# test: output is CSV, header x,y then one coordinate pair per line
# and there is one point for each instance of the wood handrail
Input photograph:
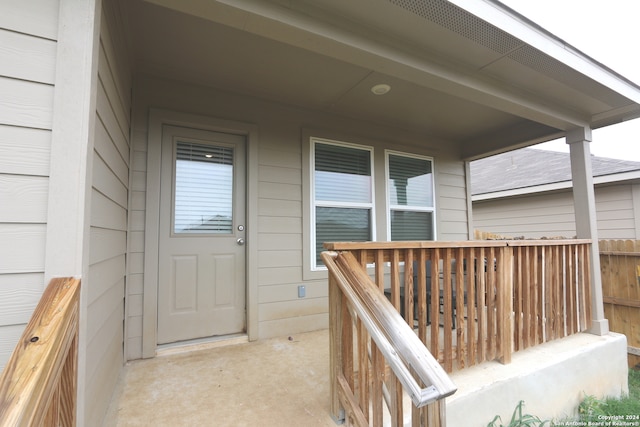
x,y
38,384
419,373
348,246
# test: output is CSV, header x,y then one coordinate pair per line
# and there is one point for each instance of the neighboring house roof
x,y
530,170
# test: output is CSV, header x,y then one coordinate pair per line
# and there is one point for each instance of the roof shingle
x,y
530,167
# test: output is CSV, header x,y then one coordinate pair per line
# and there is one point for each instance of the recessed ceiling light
x,y
208,156
380,89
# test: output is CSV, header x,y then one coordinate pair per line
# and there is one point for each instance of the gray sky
x,y
609,32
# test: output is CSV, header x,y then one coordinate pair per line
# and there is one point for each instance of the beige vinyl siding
x,y
108,221
615,212
278,208
451,203
534,216
552,214
35,17
28,32
135,262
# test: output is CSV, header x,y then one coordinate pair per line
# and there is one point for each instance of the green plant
x,y
590,408
634,384
518,419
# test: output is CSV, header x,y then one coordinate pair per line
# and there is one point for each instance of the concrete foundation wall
x,y
552,379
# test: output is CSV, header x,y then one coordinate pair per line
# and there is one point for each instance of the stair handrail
x,y
406,354
38,385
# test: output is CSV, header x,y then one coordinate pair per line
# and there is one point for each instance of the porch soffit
x,y
453,75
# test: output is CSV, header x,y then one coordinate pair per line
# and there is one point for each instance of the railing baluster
x,y
447,310
518,297
557,300
505,304
435,304
336,349
408,287
422,296
482,305
459,308
377,380
363,368
347,345
537,295
471,305
395,279
526,295
379,269
587,288
396,407
491,304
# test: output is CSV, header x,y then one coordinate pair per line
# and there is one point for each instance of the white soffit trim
x,y
563,185
526,30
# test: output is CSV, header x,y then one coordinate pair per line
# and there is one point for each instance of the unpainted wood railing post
x,y
505,304
335,347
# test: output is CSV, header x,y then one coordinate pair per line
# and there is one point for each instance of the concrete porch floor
x,y
285,382
275,382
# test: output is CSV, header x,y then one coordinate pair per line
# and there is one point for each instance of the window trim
x,y
389,207
310,258
381,221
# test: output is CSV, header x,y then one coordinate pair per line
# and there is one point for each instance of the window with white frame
x,y
343,205
411,197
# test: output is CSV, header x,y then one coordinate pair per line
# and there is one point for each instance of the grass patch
x,y
590,408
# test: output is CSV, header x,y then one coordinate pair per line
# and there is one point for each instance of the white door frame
x,y
158,118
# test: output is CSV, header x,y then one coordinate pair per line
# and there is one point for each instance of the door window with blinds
x,y
411,199
343,205
203,192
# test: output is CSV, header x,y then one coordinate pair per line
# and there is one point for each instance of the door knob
x,y
240,241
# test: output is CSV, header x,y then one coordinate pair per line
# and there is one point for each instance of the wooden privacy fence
x,y
38,384
475,301
375,356
620,267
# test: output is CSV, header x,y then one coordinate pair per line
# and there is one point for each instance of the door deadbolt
x,y
241,228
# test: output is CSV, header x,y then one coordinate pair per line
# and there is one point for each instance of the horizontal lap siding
x,y
108,222
28,32
552,214
615,212
452,199
280,243
532,217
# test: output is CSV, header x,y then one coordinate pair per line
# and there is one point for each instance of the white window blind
x,y
411,201
203,200
342,194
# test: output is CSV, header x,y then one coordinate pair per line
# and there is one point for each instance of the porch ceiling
x,y
452,75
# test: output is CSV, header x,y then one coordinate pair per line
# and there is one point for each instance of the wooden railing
x,y
38,384
375,356
487,298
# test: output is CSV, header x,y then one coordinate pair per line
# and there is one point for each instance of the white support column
x,y
74,113
585,212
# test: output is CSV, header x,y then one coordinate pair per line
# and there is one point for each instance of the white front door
x,y
201,265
